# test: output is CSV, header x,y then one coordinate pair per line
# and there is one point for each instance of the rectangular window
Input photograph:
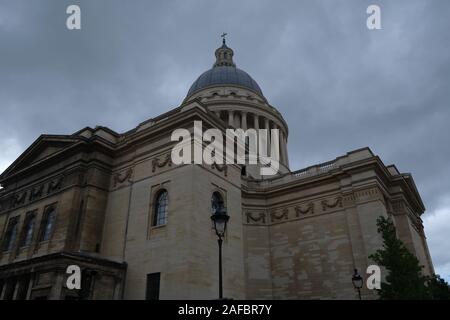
x,y
153,280
11,234
48,222
28,229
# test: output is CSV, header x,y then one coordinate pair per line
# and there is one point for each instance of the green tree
x,y
405,279
438,288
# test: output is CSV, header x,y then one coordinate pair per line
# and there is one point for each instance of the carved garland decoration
x,y
160,164
276,217
336,203
118,178
309,209
261,217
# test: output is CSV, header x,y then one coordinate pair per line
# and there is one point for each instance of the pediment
x,y
45,146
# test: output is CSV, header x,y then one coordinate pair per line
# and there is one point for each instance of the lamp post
x,y
358,282
220,219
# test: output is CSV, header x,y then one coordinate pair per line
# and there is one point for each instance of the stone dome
x,y
224,72
225,75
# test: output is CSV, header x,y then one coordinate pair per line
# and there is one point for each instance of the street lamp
x,y
220,219
358,282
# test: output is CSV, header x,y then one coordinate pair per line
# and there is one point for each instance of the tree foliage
x,y
405,279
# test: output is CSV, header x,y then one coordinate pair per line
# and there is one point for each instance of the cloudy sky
x,y
339,85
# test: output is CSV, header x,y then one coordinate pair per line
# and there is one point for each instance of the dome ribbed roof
x,y
225,75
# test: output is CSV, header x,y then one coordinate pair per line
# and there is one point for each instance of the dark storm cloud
x,y
339,85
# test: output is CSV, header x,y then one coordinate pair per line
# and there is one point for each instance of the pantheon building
x,y
138,225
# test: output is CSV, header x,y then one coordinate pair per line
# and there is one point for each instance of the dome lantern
x,y
224,55
224,73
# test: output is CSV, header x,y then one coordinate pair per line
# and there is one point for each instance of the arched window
x,y
28,229
11,234
216,202
48,222
161,206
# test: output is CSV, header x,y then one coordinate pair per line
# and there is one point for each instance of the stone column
x,y
267,126
256,127
283,154
280,146
237,123
244,120
230,117
286,155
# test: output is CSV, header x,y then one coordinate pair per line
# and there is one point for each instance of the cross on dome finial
x,y
223,38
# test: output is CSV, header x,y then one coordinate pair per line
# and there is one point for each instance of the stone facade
x,y
294,235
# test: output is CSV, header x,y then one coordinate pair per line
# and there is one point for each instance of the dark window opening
x,y
153,282
11,234
244,171
28,229
87,283
48,222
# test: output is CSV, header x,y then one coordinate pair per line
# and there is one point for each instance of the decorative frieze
x,y
295,211
35,193
368,194
55,185
19,199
